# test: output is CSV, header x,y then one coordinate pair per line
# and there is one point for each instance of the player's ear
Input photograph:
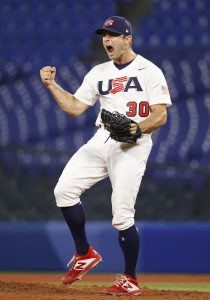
x,y
131,40
128,39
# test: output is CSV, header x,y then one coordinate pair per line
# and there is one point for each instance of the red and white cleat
x,y
124,285
81,265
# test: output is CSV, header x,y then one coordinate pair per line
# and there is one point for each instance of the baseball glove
x,y
119,127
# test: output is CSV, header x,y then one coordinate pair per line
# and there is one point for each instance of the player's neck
x,y
126,58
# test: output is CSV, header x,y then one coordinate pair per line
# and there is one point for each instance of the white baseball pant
x,y
123,163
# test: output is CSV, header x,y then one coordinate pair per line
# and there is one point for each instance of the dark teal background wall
x,y
47,246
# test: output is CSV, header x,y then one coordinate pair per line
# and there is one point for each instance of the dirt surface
x,y
42,286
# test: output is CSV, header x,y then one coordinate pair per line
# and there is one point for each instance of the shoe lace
x,y
72,260
120,280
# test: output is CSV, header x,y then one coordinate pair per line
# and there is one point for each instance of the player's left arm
x,y
157,118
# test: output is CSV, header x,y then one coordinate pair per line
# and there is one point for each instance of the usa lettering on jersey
x,y
120,84
117,84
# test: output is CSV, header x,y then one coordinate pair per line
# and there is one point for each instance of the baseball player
x,y
135,88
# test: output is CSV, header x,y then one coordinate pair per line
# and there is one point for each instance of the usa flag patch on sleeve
x,y
164,90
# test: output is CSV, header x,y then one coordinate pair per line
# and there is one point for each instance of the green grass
x,y
200,287
182,286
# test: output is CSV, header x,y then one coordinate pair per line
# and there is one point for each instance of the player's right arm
x,y
67,102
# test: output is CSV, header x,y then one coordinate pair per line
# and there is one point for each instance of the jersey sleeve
x,y
87,92
157,88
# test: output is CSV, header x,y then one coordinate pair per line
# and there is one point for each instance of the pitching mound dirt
x,y
52,291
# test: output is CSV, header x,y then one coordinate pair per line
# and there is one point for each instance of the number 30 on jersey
x,y
141,109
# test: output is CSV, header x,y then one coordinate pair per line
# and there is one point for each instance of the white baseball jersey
x,y
130,91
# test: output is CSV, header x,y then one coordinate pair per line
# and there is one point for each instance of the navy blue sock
x,y
75,219
129,243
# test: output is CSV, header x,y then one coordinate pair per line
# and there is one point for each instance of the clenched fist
x,y
48,75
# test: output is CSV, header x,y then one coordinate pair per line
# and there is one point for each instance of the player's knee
x,y
57,192
122,223
66,197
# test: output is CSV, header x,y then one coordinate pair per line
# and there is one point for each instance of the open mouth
x,y
110,49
